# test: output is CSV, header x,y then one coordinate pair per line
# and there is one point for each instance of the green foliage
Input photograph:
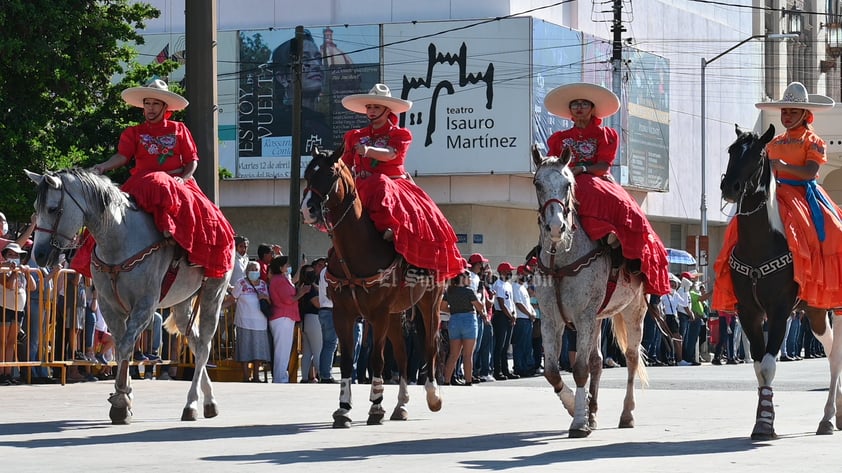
x,y
224,173
58,107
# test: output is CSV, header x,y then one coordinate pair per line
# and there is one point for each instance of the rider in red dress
x,y
400,209
162,183
604,207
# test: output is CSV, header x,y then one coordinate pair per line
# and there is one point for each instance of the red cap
x,y
689,274
477,258
523,270
505,267
532,262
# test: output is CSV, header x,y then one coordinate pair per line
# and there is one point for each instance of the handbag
x,y
265,306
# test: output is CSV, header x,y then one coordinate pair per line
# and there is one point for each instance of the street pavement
x,y
689,419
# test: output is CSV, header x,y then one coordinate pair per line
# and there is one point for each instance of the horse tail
x,y
622,338
170,326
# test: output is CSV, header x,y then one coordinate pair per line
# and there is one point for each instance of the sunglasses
x,y
580,104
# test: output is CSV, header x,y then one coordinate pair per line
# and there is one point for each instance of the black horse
x,y
763,275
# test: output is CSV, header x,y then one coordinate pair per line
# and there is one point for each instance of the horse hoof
x,y
763,433
592,423
120,415
825,428
578,433
341,422
626,423
399,414
189,414
211,411
375,419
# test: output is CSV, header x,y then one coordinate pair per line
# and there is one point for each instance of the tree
x,y
58,105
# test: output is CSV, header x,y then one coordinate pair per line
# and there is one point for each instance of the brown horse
x,y
763,275
368,279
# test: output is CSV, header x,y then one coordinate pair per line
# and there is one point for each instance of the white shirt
x,y
521,295
503,290
248,314
324,300
240,263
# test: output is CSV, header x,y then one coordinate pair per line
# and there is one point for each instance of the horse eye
x,y
52,209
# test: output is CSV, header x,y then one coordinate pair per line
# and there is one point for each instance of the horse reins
x,y
54,231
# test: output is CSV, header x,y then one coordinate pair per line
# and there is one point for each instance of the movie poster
x,y
335,62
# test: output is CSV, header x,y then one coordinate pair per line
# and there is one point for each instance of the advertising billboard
x,y
469,83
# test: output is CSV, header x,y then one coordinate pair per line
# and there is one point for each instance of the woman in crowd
x,y
606,211
17,281
462,326
311,328
284,296
252,327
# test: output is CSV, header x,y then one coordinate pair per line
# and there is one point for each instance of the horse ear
x,y
315,151
566,154
36,178
738,130
537,157
53,181
770,133
337,153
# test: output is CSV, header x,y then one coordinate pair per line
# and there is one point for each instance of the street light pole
x,y
703,209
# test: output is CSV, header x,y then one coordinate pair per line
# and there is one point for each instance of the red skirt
x,y
605,207
817,264
195,222
423,236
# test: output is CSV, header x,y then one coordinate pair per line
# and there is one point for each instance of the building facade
x,y
488,196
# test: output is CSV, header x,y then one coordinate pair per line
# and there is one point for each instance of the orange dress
x,y
817,262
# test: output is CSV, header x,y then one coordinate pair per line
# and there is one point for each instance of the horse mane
x,y
767,179
102,194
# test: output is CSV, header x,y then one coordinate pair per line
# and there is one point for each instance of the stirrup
x,y
389,235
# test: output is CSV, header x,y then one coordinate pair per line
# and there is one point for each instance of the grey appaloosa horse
x,y
571,289
131,260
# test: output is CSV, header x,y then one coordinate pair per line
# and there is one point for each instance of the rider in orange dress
x,y
162,183
605,209
401,210
812,224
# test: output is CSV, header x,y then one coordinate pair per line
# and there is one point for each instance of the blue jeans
x,y
792,348
485,344
329,342
691,341
155,324
522,346
502,339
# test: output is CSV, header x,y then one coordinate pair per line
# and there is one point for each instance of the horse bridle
x,y
54,231
325,197
753,179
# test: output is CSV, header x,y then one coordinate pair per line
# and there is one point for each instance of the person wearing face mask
x,y
811,220
284,296
17,281
252,327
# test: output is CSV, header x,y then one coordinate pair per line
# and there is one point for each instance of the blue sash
x,y
814,197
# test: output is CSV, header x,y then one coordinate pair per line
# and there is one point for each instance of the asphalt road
x,y
688,419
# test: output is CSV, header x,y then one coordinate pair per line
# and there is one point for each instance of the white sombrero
x,y
378,95
158,90
558,100
796,96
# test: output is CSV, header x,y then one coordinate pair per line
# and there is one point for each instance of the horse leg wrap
x,y
376,396
765,407
121,399
345,393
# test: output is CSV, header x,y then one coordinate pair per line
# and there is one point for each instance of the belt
x,y
363,174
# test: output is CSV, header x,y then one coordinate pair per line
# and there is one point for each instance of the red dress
x,y
196,223
605,207
423,236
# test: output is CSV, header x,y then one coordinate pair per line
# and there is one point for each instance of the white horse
x,y
571,289
129,264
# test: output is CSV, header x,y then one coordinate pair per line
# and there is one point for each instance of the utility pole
x,y
202,114
617,80
295,163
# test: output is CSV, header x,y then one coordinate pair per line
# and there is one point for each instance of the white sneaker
x,y
684,363
488,378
